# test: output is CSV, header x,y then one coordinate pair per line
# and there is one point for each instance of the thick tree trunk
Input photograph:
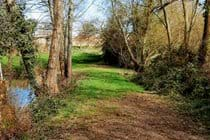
x,y
206,34
62,40
52,71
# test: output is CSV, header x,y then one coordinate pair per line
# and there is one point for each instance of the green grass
x,y
99,83
15,61
41,60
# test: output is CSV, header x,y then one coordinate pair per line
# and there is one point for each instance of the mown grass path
x,y
95,82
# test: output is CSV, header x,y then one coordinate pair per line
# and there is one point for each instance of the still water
x,y
20,93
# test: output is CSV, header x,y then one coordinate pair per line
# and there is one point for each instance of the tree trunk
x,y
167,26
62,56
186,26
206,34
62,49
50,7
29,67
52,71
68,64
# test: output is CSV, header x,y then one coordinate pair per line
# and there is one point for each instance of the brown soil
x,y
135,117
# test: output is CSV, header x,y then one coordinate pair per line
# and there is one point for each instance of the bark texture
x,y
52,71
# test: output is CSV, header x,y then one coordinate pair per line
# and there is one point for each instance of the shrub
x,y
178,75
44,107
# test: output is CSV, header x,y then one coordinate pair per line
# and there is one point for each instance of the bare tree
x,y
133,58
140,27
188,22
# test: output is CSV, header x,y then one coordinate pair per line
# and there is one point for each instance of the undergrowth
x,y
184,79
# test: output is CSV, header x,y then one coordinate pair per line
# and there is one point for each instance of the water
x,y
21,94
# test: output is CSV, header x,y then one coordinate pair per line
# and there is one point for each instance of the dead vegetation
x,y
137,116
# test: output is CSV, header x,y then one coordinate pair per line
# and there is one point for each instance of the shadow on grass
x,y
86,58
78,58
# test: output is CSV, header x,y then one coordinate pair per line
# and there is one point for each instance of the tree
x,y
140,27
52,70
166,25
206,35
17,33
188,22
69,45
88,29
138,14
66,36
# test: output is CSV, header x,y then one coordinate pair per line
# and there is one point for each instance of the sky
x,y
89,10
92,10
95,11
91,7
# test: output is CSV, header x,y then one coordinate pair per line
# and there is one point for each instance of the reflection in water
x,y
20,95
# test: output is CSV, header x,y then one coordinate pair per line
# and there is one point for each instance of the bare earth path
x,y
135,117
139,117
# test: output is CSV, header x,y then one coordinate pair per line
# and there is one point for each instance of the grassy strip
x,y
99,83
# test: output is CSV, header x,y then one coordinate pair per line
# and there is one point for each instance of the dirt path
x,y
135,117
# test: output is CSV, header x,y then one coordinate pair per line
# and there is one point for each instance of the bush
x,y
44,107
176,75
